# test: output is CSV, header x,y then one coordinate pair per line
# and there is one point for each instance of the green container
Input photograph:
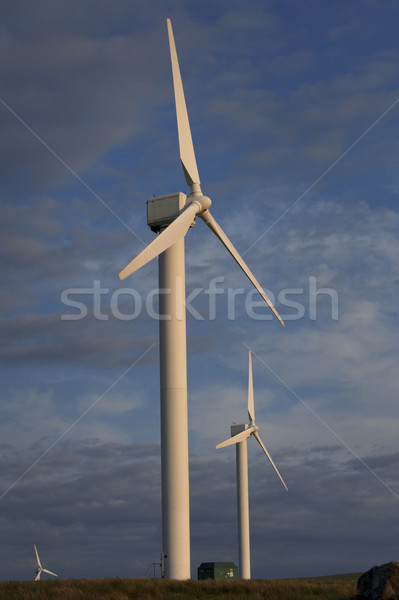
x,y
218,570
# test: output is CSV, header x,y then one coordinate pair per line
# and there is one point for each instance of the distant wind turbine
x,y
171,216
240,434
39,569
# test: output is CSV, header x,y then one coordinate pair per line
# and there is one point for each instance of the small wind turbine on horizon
x,y
240,435
39,569
170,217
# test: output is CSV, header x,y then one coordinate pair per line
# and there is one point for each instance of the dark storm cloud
x,y
96,489
85,490
43,338
72,87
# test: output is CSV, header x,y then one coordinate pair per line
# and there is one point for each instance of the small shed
x,y
218,570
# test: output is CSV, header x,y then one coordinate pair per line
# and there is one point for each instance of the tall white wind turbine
x,y
240,435
171,217
39,569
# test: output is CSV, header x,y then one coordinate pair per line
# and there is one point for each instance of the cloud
x,y
85,489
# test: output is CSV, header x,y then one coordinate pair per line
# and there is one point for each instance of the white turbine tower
x,y
171,217
39,568
240,434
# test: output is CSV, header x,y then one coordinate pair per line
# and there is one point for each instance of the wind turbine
x,y
171,216
39,569
240,434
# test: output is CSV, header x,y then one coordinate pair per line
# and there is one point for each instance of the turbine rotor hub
x,y
202,201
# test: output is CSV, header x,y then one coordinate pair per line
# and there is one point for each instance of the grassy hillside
x,y
341,577
329,588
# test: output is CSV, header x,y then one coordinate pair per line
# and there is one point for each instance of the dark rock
x,y
380,583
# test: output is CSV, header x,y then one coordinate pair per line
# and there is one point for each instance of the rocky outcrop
x,y
380,583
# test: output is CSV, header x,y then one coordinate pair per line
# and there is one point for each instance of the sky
x,y
294,112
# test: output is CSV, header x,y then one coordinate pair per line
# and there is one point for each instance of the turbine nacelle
x,y
163,210
249,428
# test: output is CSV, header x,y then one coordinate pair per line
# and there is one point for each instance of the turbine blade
x,y
256,436
37,557
243,435
187,155
251,407
174,232
217,230
37,578
50,572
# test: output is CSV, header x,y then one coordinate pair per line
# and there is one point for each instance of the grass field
x,y
318,588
